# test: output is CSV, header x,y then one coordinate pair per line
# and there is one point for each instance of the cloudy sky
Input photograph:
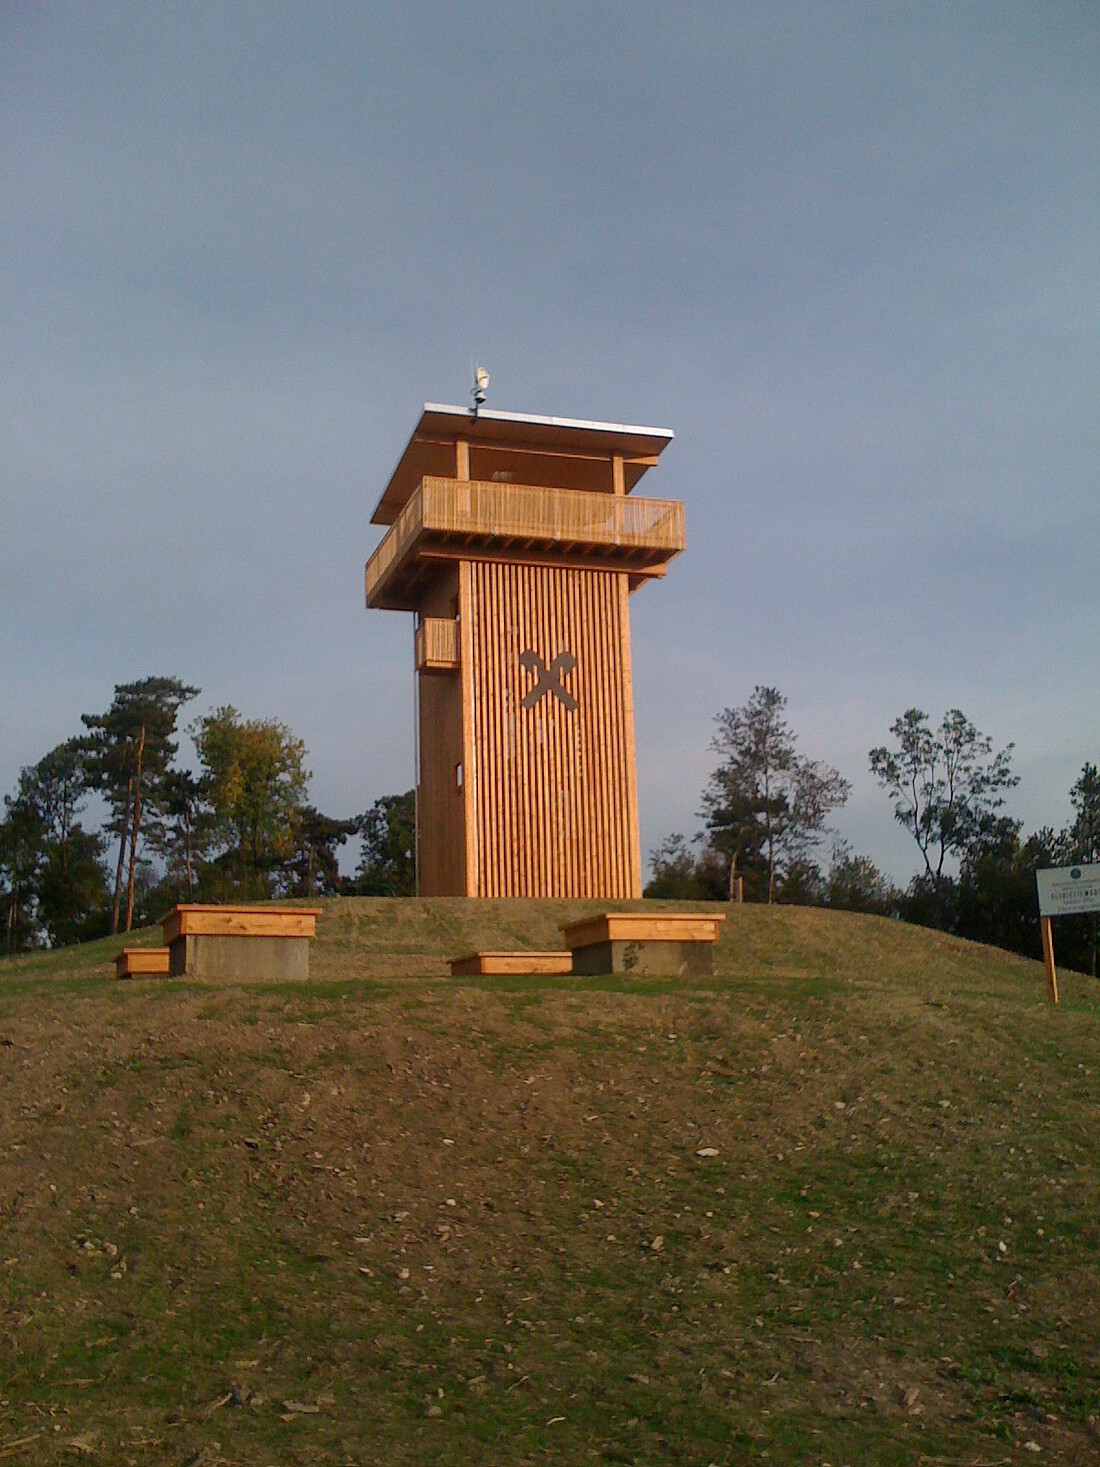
x,y
849,252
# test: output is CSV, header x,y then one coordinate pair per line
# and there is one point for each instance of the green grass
x,y
467,1221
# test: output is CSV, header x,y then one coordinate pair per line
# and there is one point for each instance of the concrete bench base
x,y
142,962
474,964
672,945
275,958
234,942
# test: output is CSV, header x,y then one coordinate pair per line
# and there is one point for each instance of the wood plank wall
x,y
441,843
551,790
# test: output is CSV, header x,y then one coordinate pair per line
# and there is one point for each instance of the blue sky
x,y
849,252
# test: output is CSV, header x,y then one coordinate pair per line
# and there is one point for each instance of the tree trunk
x,y
120,868
188,867
135,830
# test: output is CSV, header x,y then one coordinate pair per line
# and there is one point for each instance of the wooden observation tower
x,y
516,541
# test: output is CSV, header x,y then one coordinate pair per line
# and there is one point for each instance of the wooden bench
x,y
523,964
665,945
134,962
239,941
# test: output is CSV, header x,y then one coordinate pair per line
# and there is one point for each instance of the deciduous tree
x,y
387,866
52,865
946,785
255,782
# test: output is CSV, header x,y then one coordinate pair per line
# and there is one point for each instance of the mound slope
x,y
837,1204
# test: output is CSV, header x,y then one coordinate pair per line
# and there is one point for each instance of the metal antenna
x,y
481,383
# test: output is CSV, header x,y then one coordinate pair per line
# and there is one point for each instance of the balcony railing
x,y
512,517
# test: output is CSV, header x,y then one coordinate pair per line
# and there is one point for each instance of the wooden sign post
x,y
1048,958
1064,891
516,542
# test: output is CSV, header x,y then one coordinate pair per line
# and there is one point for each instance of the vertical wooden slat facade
x,y
527,783
551,786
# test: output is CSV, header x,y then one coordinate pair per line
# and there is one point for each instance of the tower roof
x,y
520,447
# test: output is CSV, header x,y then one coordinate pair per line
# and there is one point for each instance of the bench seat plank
x,y
520,964
132,961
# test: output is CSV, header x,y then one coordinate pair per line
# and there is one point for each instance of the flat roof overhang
x,y
585,447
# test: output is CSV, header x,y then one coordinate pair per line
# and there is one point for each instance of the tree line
x,y
239,828
765,811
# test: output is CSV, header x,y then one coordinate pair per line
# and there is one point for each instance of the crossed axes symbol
x,y
549,678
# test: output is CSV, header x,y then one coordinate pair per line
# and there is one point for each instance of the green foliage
x,y
241,830
674,870
186,833
765,804
388,863
313,868
802,884
1082,843
947,788
946,785
1084,834
21,855
993,899
854,883
682,876
73,901
765,809
130,750
57,788
53,881
255,782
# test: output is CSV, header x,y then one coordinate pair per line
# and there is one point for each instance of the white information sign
x,y
1068,889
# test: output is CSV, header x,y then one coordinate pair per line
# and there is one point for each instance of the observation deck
x,y
466,519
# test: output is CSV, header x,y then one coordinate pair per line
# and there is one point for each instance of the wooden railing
x,y
528,513
437,645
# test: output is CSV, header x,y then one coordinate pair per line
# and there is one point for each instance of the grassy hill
x,y
839,1204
